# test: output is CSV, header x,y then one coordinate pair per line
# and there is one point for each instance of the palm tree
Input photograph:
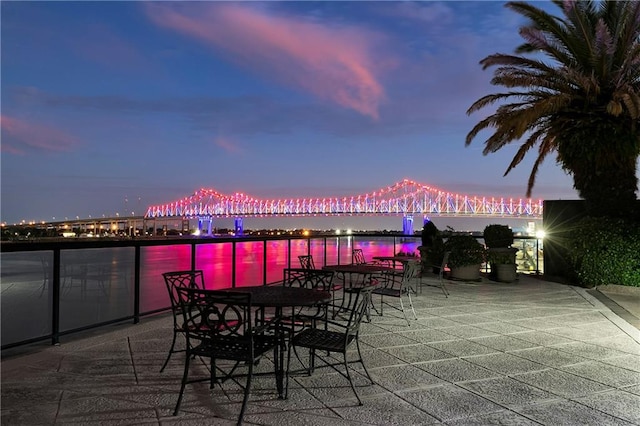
x,y
583,102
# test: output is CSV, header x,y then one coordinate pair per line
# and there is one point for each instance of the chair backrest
x,y
306,261
358,308
411,269
358,257
308,278
181,279
215,316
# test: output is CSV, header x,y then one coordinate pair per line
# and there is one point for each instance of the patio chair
x,y
360,259
218,326
306,261
329,336
442,268
396,285
174,280
312,278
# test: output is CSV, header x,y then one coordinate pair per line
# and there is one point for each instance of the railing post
x,y
136,285
324,260
55,299
289,252
233,264
264,262
537,256
193,256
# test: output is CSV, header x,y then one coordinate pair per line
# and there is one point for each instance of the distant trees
x,y
577,96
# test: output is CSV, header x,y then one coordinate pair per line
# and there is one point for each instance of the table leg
x,y
279,356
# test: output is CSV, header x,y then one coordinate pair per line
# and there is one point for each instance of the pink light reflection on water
x,y
216,261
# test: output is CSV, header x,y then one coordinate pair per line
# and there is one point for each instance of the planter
x,y
466,273
506,272
502,256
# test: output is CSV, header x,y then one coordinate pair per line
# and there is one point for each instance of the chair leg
x,y
346,366
444,289
411,304
362,361
173,343
403,311
247,391
185,375
286,377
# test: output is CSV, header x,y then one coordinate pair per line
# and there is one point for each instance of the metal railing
x,y
54,288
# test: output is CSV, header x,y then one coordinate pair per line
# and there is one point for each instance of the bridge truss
x,y
402,198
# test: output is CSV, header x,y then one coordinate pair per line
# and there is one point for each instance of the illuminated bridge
x,y
405,198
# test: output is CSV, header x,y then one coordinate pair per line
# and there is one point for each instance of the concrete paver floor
x,y
527,353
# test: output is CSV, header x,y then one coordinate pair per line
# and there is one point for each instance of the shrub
x,y
429,235
465,250
497,236
605,251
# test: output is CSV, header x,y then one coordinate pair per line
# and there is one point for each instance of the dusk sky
x,y
114,106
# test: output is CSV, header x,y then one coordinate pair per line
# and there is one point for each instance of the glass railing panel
x,y
529,258
317,251
277,259
96,285
154,261
216,262
249,263
332,250
299,247
26,295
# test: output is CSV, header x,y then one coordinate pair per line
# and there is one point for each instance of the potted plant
x,y
500,255
466,257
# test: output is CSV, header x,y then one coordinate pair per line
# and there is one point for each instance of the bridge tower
x,y
202,220
407,225
238,226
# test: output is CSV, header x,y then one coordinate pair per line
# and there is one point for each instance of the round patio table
x,y
278,297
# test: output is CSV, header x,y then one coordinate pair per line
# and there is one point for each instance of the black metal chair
x,y
329,336
359,258
218,326
306,261
174,280
397,285
441,270
317,279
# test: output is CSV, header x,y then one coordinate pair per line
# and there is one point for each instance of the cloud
x,y
20,136
334,63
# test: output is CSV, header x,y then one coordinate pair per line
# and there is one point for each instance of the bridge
x,y
406,198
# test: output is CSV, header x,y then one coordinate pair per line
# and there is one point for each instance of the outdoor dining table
x,y
365,270
279,297
393,260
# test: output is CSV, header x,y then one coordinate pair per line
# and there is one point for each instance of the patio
x,y
532,352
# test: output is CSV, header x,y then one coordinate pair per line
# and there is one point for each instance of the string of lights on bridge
x,y
406,197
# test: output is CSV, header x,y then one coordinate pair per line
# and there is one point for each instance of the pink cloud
x,y
333,63
19,136
228,145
